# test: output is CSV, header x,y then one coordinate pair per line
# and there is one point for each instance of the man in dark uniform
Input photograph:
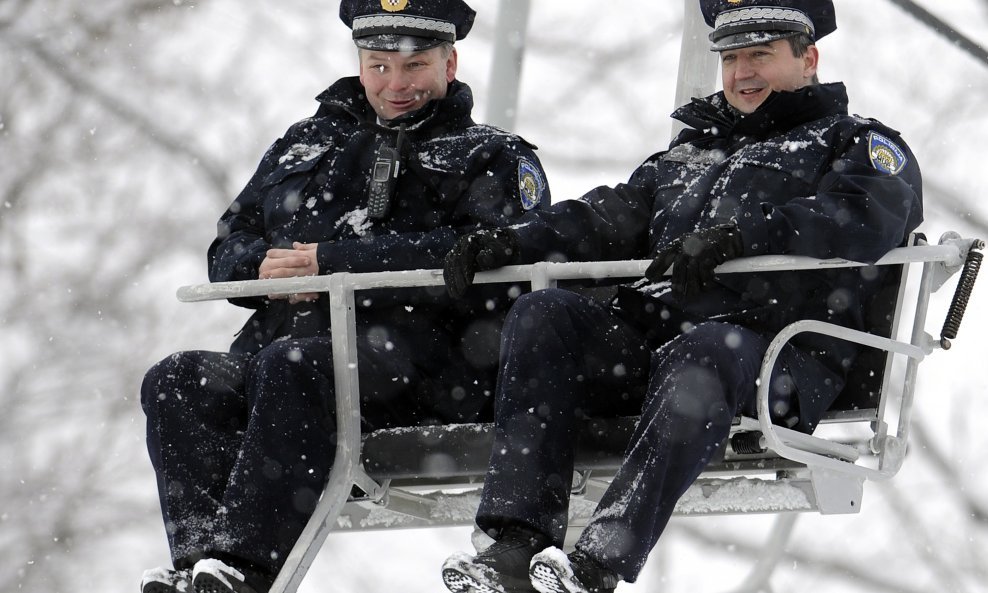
x,y
385,176
773,164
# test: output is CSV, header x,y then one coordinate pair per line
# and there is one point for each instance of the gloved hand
x,y
476,252
693,258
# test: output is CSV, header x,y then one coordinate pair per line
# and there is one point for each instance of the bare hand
x,y
291,263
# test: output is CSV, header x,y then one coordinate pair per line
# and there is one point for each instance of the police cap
x,y
406,25
742,23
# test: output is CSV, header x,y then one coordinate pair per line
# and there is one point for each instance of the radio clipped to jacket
x,y
384,178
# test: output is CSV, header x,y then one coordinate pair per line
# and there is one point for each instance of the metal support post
x,y
509,53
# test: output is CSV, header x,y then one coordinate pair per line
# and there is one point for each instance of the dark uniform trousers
x,y
564,357
242,444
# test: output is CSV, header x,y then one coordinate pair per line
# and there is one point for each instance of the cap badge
x,y
394,5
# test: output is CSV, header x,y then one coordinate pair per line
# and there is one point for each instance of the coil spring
x,y
747,443
965,285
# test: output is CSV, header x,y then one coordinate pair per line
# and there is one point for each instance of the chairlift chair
x,y
427,476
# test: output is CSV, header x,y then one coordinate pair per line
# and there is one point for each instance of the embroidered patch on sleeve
x,y
531,186
394,5
885,155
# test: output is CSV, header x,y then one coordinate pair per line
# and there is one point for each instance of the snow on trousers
x,y
563,357
242,444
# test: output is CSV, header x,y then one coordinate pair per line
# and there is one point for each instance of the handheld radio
x,y
384,178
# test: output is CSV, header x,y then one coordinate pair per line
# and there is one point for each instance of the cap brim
x,y
749,39
401,43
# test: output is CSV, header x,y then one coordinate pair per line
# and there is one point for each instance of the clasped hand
x,y
291,263
693,258
476,252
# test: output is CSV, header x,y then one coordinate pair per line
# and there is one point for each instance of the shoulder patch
x,y
531,185
885,155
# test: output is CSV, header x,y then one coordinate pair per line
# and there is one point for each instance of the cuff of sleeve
x,y
323,259
248,267
336,257
754,234
525,254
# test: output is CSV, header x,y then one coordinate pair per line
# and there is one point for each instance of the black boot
x,y
166,580
501,568
553,571
217,576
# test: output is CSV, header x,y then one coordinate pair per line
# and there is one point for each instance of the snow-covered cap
x,y
406,25
743,23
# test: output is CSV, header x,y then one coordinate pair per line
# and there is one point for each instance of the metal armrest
x,y
816,451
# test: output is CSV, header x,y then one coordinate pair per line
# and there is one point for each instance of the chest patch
x,y
531,185
885,155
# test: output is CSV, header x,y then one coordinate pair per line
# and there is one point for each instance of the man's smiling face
x,y
750,74
399,82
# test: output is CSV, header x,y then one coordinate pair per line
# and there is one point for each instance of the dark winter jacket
x,y
799,176
312,186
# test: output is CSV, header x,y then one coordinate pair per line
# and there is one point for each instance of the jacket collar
x,y
347,96
713,118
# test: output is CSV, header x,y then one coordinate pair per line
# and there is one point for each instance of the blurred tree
x,y
127,126
85,229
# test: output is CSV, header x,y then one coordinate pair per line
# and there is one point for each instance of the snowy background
x,y
127,126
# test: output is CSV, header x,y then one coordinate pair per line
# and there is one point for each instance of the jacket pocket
x,y
299,159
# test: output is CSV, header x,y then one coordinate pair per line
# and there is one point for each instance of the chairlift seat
x,y
464,450
431,475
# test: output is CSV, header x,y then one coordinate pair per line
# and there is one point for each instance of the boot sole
x,y
162,588
458,582
463,576
207,583
546,578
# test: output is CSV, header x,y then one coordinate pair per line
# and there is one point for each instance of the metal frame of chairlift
x,y
804,472
794,471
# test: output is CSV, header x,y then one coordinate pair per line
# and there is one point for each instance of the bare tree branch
x,y
925,545
954,482
944,29
11,11
952,204
826,568
758,580
213,173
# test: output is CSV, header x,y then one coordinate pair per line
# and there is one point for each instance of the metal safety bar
x,y
939,262
949,254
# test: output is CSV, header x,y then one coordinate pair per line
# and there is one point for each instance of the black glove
x,y
476,252
693,258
